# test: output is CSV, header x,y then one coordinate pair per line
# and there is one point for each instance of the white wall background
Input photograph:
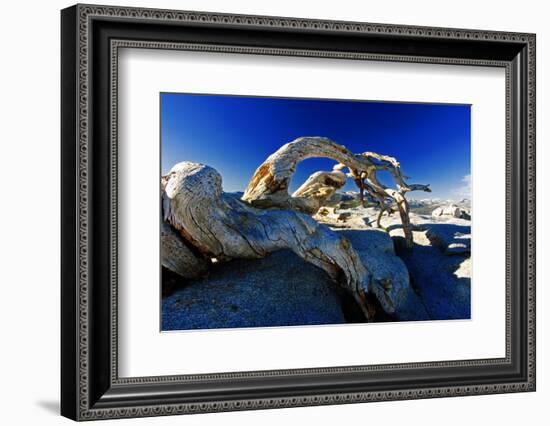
x,y
29,211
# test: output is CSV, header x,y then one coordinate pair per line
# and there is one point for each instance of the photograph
x,y
279,211
265,208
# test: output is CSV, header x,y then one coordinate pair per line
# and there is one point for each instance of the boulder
x,y
437,212
278,290
465,214
451,211
447,211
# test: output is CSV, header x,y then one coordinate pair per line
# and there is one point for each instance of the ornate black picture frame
x,y
90,38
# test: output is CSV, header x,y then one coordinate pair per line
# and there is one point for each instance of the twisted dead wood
x,y
268,187
177,256
223,227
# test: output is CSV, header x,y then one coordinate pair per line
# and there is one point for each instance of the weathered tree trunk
x,y
176,256
223,227
384,162
268,188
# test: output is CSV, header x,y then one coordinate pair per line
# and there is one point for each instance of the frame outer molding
x,y
76,402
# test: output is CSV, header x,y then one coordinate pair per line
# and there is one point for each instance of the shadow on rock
x,y
278,290
449,238
441,281
376,249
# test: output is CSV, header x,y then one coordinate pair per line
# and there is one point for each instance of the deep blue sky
x,y
236,134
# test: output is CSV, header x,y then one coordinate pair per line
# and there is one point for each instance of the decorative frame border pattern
x,y
85,409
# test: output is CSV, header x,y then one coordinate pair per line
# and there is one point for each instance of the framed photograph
x,y
263,212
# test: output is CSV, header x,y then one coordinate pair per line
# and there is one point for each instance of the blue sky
x,y
236,134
